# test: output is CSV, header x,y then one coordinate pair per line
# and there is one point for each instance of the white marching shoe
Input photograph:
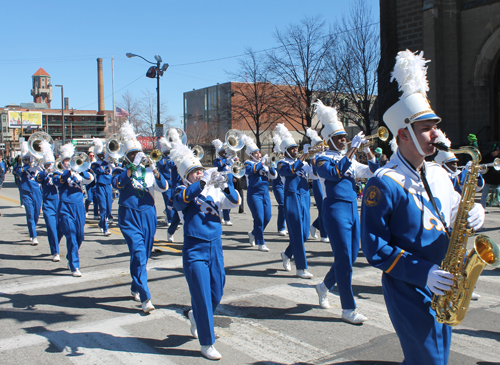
x,y
210,353
251,238
263,248
170,237
313,231
283,232
136,296
228,223
107,233
76,273
286,262
353,317
147,306
323,300
34,241
475,296
194,331
56,258
325,239
304,274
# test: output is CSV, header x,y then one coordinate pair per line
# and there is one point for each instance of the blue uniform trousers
x,y
280,199
104,197
298,220
32,204
138,229
71,218
50,214
90,199
318,198
203,264
167,196
174,223
341,220
260,205
423,340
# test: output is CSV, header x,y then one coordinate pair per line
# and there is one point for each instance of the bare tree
x,y
147,115
299,65
131,105
253,97
197,132
353,66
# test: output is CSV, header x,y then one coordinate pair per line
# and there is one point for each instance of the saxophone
x,y
465,266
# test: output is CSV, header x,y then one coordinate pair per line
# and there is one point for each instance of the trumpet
x,y
382,134
273,159
34,143
198,152
238,169
79,162
114,146
483,168
155,155
233,140
318,148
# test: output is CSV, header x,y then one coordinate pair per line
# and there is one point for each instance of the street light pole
x,y
62,114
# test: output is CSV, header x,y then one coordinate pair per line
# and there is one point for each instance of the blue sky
x,y
66,37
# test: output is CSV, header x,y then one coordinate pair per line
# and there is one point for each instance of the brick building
x,y
462,40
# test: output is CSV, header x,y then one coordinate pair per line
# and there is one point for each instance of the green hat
x,y
472,138
378,150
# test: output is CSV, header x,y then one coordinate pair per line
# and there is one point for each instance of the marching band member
x,y
258,199
103,191
173,136
31,194
297,202
337,171
71,217
317,191
224,164
136,211
90,188
279,193
50,200
201,202
407,208
164,170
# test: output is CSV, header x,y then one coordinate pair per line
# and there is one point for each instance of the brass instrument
x,y
233,140
238,169
155,155
58,166
465,266
318,148
198,152
79,162
273,159
382,134
34,143
114,146
483,168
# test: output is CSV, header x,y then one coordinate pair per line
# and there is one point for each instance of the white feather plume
x,y
127,131
165,143
411,73
247,140
277,142
179,152
97,142
394,145
442,138
67,149
217,143
173,135
282,131
326,114
311,133
24,148
46,148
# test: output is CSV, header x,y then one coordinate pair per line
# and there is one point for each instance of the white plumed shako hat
x,y
443,157
67,150
286,137
165,146
25,153
313,135
131,143
48,154
98,146
328,117
251,147
184,160
217,143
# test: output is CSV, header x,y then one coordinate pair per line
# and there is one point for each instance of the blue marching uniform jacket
x,y
279,195
164,169
137,220
340,217
458,180
224,164
202,256
103,192
297,207
176,181
403,236
71,218
258,198
31,195
50,205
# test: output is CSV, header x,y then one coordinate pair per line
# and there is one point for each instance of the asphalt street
x,y
267,315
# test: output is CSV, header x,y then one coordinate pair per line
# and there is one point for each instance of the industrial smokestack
x,y
100,85
66,103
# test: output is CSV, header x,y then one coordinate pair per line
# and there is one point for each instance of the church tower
x,y
42,89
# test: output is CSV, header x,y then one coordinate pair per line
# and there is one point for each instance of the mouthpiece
x,y
441,146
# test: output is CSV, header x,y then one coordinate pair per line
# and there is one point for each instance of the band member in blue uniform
x,y
50,197
279,193
164,170
338,170
90,188
407,208
174,135
223,164
31,194
297,201
103,191
136,212
317,225
71,217
201,199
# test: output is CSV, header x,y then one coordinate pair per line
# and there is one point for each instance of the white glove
x,y
367,150
358,140
207,174
264,160
138,158
476,217
439,281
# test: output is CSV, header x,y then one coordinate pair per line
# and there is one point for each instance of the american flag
x,y
121,112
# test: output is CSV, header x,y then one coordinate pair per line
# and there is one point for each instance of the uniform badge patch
x,y
321,163
372,196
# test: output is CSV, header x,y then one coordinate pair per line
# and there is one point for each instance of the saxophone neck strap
x,y
433,202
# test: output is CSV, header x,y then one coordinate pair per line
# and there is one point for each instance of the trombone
x,y
382,134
